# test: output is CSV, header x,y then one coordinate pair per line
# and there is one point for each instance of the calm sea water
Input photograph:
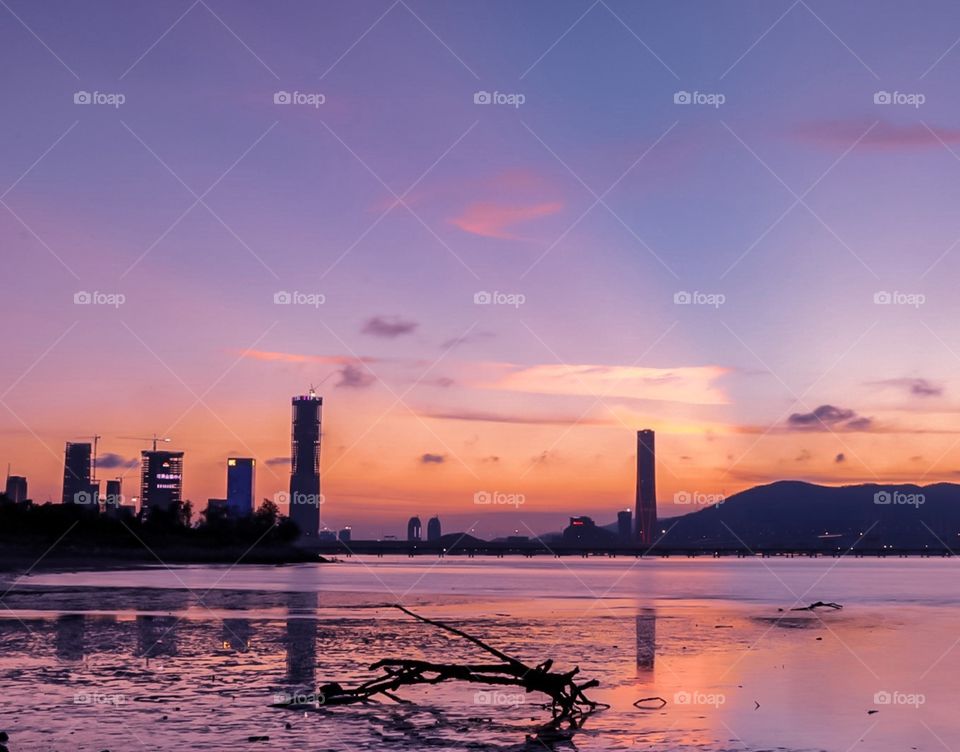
x,y
192,657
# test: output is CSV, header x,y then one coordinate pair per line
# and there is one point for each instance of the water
x,y
193,657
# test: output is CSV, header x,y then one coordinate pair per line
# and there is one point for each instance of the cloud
x,y
283,357
689,384
388,326
493,220
432,459
803,456
535,420
355,377
883,136
277,461
465,339
916,386
840,458
111,461
829,418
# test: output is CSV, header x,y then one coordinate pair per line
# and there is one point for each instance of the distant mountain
x,y
797,514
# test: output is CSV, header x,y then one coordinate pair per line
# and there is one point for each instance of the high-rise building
x,y
433,529
114,498
305,498
413,529
344,535
76,473
646,515
241,479
161,479
16,488
625,526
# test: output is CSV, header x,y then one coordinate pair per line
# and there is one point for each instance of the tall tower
x,y
76,473
161,480
305,496
241,482
646,516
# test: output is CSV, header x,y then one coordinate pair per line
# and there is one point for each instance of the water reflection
x,y
646,639
69,633
301,639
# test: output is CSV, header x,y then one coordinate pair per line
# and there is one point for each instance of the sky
x,y
498,237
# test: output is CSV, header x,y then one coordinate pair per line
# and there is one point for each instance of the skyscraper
x,y
114,498
241,479
433,529
413,529
625,526
16,488
161,479
76,473
646,516
305,496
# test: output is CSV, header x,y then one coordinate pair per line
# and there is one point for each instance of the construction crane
x,y
154,439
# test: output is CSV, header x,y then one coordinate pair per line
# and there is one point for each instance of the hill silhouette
x,y
789,514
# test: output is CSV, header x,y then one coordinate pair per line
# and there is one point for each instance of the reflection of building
x,y
70,630
625,526
236,634
241,472
646,516
305,464
156,635
76,472
433,529
301,639
161,479
413,529
16,488
646,638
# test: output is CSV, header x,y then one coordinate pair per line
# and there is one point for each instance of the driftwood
x,y
567,701
818,604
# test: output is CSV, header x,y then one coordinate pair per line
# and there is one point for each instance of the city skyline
x,y
538,268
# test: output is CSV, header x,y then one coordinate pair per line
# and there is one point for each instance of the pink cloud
x,y
494,220
882,136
